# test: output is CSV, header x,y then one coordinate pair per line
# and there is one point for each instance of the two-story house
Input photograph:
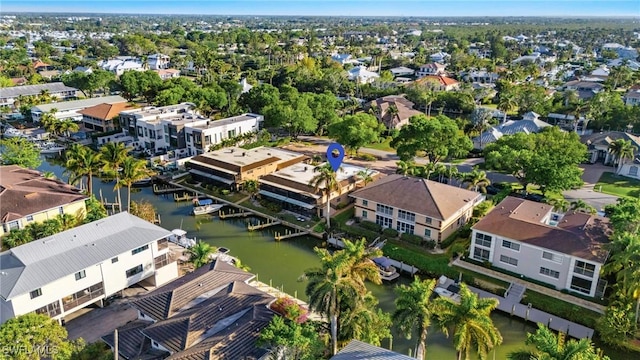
x,y
71,109
528,238
431,69
158,61
103,117
416,206
598,150
63,273
56,90
28,197
201,135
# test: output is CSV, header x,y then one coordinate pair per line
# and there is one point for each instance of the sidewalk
x,y
534,287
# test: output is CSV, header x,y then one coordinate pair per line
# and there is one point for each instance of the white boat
x,y
205,206
447,294
13,132
223,255
386,270
179,236
50,148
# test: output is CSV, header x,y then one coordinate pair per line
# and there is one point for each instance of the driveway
x,y
95,323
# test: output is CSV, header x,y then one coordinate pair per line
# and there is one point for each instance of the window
x,y
581,285
550,273
483,240
163,244
364,214
383,209
81,275
365,202
428,220
61,210
35,293
510,245
139,250
383,221
134,271
29,217
114,260
481,254
161,261
405,215
427,233
12,225
584,268
139,130
508,260
404,227
552,257
633,171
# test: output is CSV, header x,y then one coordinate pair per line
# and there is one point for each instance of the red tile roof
x,y
442,80
105,111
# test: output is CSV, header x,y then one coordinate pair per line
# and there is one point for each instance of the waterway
x,y
282,263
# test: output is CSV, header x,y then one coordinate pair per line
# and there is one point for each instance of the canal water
x,y
282,263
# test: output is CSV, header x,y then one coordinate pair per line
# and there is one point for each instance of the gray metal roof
x,y
15,91
33,265
78,104
358,350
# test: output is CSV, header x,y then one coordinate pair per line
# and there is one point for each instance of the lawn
x,y
613,184
383,146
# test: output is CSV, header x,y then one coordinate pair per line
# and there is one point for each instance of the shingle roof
x,y
15,91
404,106
24,192
578,234
421,196
358,350
604,139
33,265
131,340
105,111
164,302
511,127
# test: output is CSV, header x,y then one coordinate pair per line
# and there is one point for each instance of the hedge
x,y
369,225
433,266
414,239
390,232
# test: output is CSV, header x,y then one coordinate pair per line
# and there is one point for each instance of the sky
x,y
335,7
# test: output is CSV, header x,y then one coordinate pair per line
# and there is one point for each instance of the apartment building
x,y
71,109
202,134
56,90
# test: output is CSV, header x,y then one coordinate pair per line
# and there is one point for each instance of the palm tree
x,y
560,204
67,126
252,187
49,175
625,264
326,182
470,323
132,170
414,311
406,167
365,176
393,112
507,102
50,122
451,172
548,346
477,179
621,150
113,155
200,253
82,161
480,118
582,206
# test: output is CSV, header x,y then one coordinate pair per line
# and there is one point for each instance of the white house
x,y
631,64
598,148
632,97
121,64
362,75
201,135
528,238
624,52
158,61
63,273
440,57
402,71
431,69
57,90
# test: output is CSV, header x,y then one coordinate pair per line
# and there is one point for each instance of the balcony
x,y
163,260
83,296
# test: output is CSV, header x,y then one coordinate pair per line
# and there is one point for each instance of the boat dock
x,y
280,293
187,196
511,305
164,189
263,225
399,265
290,235
234,215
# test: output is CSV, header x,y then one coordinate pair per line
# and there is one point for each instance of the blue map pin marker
x,y
335,155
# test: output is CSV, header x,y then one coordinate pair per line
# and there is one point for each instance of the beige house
x,y
416,206
27,197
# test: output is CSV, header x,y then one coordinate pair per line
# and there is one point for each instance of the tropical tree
x,y
506,102
132,170
582,206
477,179
559,204
470,323
549,346
364,321
622,150
252,187
144,210
113,155
414,311
19,151
405,167
290,340
326,182
365,176
625,264
200,253
82,161
480,118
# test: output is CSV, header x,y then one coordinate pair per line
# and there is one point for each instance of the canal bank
x,y
280,264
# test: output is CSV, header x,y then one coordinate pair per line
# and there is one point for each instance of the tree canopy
x,y
19,151
355,131
34,336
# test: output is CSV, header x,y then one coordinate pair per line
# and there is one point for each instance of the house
x,y
71,109
121,64
200,135
50,74
158,61
403,106
342,58
361,75
211,313
290,188
27,197
632,97
56,90
19,81
527,126
440,57
416,206
431,69
528,238
585,89
231,167
166,74
481,76
624,52
83,69
66,272
39,65
103,117
631,64
439,82
598,149
402,71
601,72
358,350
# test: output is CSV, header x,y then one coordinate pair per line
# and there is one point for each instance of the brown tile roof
x,y
164,302
24,192
204,320
578,234
421,196
131,340
404,106
19,80
105,111
38,64
442,80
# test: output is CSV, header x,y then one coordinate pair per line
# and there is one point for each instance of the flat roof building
x,y
56,90
71,109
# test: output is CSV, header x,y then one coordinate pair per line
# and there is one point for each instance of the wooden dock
x,y
263,225
290,235
184,197
234,215
165,189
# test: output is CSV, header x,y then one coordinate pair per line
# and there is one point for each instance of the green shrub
x,y
414,239
561,308
449,240
367,157
342,205
465,231
271,206
431,265
482,209
369,225
390,232
459,248
225,192
430,244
